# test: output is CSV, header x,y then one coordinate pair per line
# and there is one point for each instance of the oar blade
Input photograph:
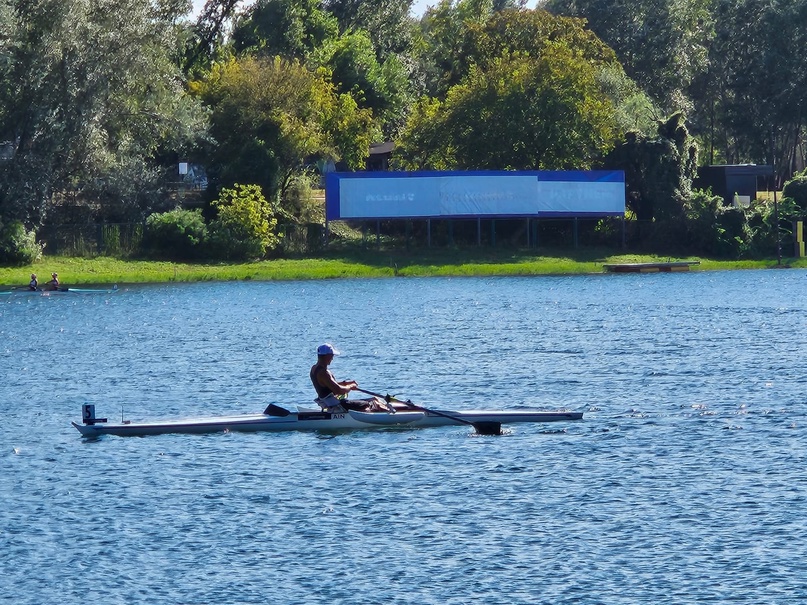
x,y
488,428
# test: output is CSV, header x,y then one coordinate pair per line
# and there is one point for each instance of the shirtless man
x,y
332,393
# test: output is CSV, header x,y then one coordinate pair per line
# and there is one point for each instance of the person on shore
x,y
53,284
331,393
33,284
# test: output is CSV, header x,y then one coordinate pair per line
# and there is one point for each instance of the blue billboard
x,y
474,194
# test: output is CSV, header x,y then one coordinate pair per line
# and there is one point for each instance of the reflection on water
x,y
684,483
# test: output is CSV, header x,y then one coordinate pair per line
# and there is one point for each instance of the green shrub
x,y
177,234
713,228
764,236
244,228
18,246
796,189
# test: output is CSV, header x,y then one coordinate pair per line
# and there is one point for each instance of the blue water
x,y
685,483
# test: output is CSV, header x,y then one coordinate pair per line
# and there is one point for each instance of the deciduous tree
x,y
272,116
660,43
382,87
292,29
92,102
387,23
544,112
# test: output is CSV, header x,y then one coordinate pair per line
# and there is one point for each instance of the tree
x,y
544,112
522,89
658,170
206,37
292,29
634,110
85,113
442,30
270,117
759,112
423,143
386,22
382,87
471,34
660,43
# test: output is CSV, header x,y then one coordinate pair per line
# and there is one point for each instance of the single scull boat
x,y
276,418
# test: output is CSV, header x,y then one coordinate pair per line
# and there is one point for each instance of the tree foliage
x,y
658,170
97,104
529,96
270,117
18,245
710,227
755,108
292,29
244,228
82,109
386,22
355,69
796,190
735,67
660,43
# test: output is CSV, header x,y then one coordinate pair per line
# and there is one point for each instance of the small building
x,y
737,184
380,155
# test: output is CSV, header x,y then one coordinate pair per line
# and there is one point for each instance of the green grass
x,y
367,263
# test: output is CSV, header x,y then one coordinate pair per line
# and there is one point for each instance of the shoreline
x,y
363,264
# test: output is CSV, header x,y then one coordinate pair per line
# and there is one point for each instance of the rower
x,y
332,394
53,284
33,284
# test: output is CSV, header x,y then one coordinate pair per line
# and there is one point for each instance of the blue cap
x,y
327,349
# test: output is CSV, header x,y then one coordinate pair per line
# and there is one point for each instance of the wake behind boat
x,y
276,418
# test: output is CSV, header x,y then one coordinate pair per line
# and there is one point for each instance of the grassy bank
x,y
370,263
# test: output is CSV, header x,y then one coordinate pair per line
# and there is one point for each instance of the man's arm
x,y
326,379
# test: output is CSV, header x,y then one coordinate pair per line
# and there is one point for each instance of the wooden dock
x,y
667,267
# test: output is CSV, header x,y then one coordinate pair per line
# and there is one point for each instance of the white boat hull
x,y
312,420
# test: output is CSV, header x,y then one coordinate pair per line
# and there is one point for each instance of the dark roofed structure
x,y
732,179
380,155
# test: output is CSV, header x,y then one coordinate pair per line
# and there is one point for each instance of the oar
x,y
483,428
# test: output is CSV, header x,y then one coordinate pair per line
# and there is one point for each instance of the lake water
x,y
686,481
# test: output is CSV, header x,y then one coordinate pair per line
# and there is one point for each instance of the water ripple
x,y
684,484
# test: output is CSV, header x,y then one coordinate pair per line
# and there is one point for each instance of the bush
x,y
244,228
796,190
764,234
712,227
179,234
18,246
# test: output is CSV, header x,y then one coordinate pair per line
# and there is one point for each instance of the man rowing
x,y
332,394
